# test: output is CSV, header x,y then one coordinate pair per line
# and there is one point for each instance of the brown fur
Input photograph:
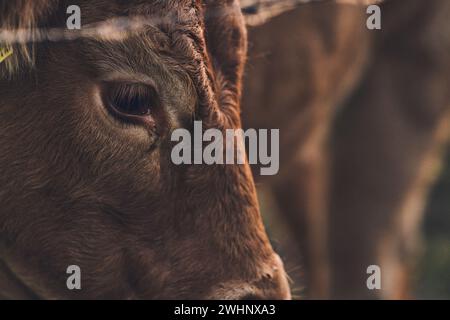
x,y
295,83
387,151
80,188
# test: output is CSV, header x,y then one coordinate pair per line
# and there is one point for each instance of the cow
x,y
388,150
85,170
363,118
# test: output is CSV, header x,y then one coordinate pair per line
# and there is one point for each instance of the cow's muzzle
x,y
271,284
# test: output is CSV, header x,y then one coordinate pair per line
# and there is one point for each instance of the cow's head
x,y
86,176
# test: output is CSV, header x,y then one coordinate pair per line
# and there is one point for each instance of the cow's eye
x,y
129,101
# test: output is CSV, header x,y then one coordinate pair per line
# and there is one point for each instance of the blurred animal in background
x,y
364,118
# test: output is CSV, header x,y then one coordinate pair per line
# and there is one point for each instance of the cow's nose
x,y
270,284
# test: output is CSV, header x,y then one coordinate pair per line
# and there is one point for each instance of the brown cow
x,y
294,83
364,206
85,170
388,146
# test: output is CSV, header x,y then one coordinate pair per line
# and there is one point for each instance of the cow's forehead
x,y
105,20
178,10
169,31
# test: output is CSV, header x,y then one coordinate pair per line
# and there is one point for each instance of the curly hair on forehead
x,y
24,23
209,37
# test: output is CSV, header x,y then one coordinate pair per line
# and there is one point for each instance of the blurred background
x,y
433,276
364,119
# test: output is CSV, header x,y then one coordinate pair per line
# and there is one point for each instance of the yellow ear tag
x,y
5,52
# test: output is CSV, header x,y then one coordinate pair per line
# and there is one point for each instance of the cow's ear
x,y
226,39
20,21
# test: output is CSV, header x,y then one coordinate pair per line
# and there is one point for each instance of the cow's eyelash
x,y
130,99
134,98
